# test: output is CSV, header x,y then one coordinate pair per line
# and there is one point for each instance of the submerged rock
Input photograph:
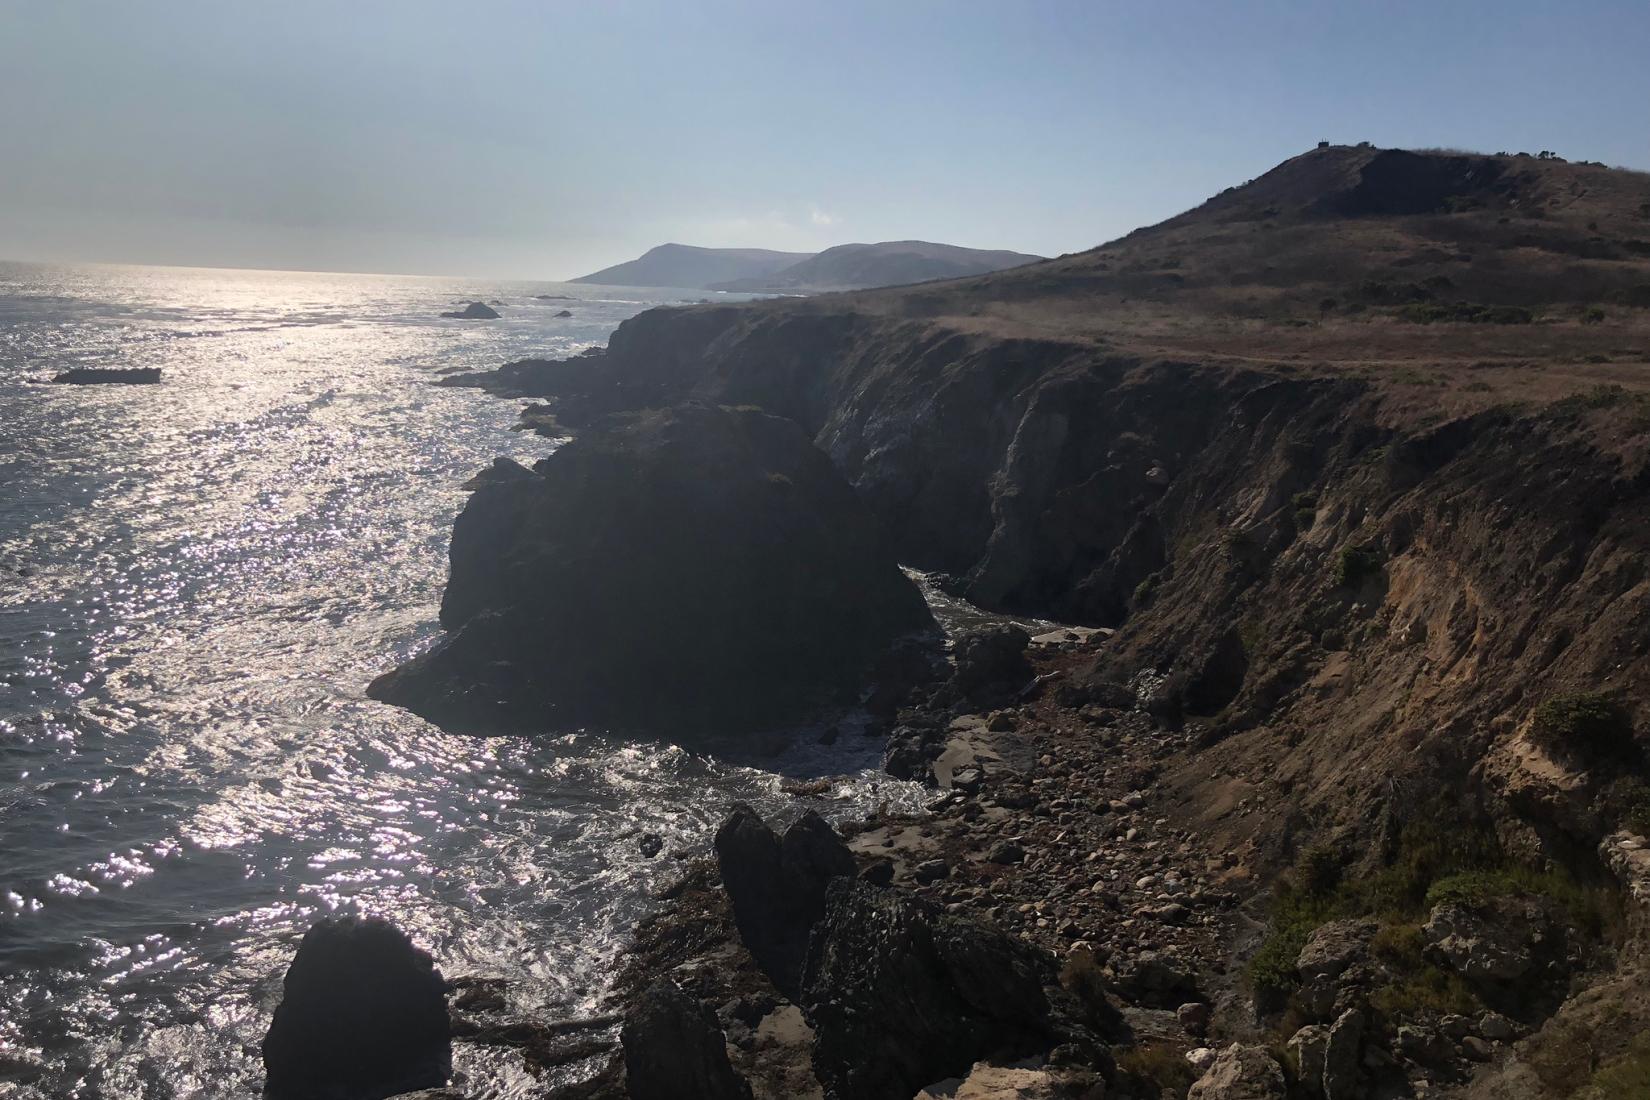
x,y
93,376
697,569
363,1015
475,311
901,996
674,1048
777,886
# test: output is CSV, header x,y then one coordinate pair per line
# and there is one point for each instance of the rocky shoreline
x,y
1342,791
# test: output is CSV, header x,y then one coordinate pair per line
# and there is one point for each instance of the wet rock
x,y
363,1015
96,376
650,845
1497,941
698,569
475,311
564,313
911,752
1005,851
901,995
931,870
878,872
992,660
674,1048
777,886
1241,1073
502,469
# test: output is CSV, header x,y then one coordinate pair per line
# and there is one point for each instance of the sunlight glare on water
x,y
197,580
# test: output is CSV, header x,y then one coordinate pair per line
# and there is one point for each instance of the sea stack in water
x,y
475,311
363,1015
97,376
692,570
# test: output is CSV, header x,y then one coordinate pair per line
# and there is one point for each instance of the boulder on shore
x,y
777,886
674,1048
475,311
991,661
901,996
363,1015
695,569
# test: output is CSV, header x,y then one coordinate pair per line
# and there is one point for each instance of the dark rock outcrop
x,y
363,1015
901,995
777,886
94,376
475,311
674,1049
992,660
695,569
502,469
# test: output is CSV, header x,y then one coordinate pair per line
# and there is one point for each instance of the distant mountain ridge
x,y
844,267
686,265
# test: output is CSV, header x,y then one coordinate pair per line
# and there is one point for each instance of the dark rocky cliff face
x,y
1250,529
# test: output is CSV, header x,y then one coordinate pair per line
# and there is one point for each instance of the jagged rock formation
x,y
777,886
697,568
363,1015
901,996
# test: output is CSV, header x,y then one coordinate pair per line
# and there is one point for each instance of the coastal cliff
x,y
1368,515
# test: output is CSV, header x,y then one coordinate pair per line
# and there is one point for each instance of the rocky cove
x,y
1339,792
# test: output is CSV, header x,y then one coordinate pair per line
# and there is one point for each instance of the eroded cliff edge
x,y
1380,589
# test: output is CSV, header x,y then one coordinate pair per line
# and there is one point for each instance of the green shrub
x,y
1592,722
1355,564
1636,817
1425,990
1587,909
1626,1076
1592,315
1159,1067
1319,871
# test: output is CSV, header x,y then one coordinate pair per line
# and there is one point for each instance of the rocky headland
x,y
696,568
1340,791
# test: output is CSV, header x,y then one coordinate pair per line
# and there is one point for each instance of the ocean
x,y
197,581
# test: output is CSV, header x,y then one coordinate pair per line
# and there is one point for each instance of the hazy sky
x,y
544,140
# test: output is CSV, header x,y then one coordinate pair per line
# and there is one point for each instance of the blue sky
x,y
543,140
